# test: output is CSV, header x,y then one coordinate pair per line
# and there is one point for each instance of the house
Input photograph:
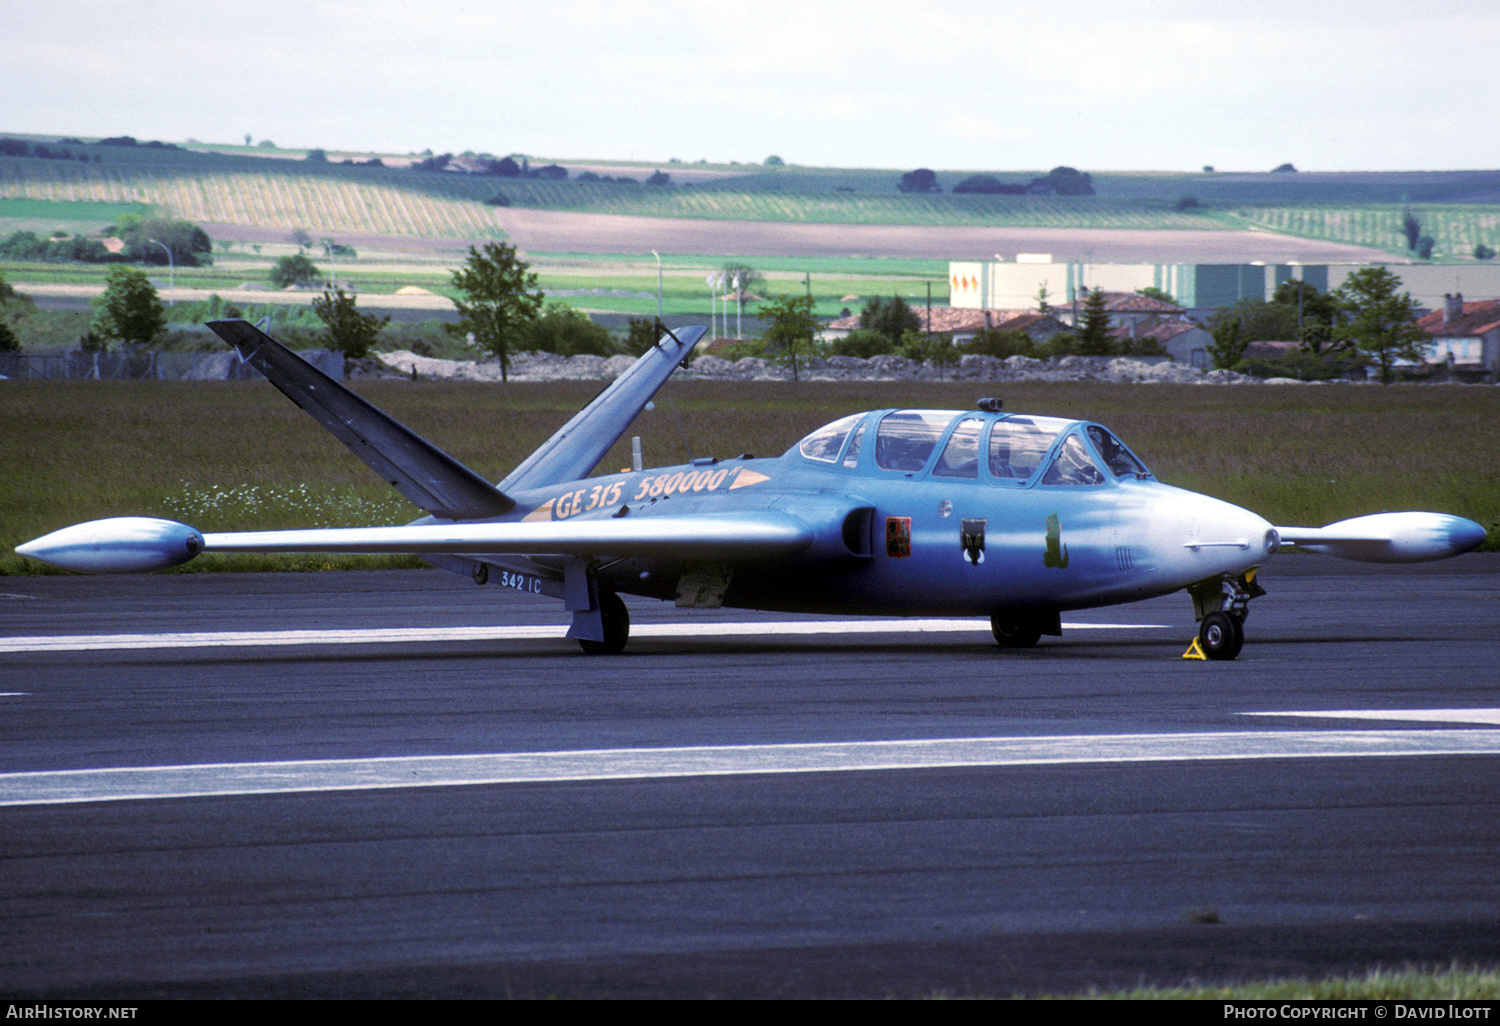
x,y
1124,309
1185,342
1465,336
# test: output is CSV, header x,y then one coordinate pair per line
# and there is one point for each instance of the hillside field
x,y
254,188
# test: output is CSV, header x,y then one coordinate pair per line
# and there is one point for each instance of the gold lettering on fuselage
x,y
643,489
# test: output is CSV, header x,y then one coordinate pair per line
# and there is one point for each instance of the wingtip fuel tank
x,y
1412,537
118,545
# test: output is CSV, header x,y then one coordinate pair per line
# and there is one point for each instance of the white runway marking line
x,y
400,635
1490,716
152,782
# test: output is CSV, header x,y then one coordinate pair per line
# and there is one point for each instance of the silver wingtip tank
x,y
118,545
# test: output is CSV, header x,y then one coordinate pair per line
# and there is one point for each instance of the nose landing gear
x,y
1221,605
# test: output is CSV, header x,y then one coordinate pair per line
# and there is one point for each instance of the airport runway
x,y
401,784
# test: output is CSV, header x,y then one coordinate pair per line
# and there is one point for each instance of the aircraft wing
x,y
134,544
1390,537
419,470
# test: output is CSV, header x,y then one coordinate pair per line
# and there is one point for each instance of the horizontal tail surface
x,y
581,443
419,470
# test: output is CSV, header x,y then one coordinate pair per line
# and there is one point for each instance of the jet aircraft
x,y
899,512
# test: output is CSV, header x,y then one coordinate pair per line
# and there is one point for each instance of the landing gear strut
x,y
1221,605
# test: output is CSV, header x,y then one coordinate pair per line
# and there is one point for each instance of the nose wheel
x,y
1221,635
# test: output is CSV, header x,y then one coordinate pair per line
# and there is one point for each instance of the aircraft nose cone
x,y
1228,538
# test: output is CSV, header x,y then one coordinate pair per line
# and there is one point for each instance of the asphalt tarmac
x,y
741,805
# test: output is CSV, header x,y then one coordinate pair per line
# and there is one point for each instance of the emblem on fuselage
x,y
971,539
898,537
1056,555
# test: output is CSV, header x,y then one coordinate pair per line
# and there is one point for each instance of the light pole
x,y
333,270
171,275
658,283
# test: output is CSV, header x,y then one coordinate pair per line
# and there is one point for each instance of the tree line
x,y
145,241
1366,320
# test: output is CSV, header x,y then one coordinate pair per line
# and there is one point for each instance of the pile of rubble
x,y
551,367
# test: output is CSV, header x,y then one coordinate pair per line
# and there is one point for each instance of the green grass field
x,y
237,455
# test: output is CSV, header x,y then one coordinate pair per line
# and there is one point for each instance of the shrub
x,y
566,331
1001,343
862,343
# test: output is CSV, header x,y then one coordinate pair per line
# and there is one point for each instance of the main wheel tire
x,y
1010,632
1221,636
616,626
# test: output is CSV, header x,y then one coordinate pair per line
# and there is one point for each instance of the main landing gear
x,y
1221,605
1013,630
616,626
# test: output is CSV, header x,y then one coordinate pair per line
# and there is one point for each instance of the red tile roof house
x,y
1125,308
1466,337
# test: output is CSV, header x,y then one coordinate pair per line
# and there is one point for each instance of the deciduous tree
x,y
1315,311
497,300
792,329
1377,321
129,309
891,317
567,331
1411,228
296,269
1229,344
640,335
349,331
923,179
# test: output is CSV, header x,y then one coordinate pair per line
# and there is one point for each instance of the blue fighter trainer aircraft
x,y
898,512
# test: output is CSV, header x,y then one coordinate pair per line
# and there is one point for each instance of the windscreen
x,y
1120,461
1018,445
824,444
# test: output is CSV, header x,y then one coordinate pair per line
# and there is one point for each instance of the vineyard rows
x,y
337,199
451,206
1455,228
323,202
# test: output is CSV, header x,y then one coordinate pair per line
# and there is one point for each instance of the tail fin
x,y
419,470
581,443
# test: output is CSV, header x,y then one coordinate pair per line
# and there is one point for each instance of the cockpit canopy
x,y
1007,448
